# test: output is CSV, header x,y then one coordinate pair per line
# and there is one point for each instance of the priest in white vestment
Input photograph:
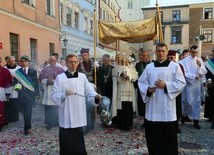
x,y
69,92
124,100
160,84
194,69
11,106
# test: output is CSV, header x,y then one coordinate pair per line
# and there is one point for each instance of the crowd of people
x,y
162,92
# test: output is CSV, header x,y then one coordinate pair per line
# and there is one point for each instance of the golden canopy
x,y
132,32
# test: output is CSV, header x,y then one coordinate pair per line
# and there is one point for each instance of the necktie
x,y
25,71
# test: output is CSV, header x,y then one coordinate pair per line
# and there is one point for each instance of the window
x,y
100,15
104,15
176,16
29,2
91,26
50,7
208,36
61,12
208,13
176,36
85,24
33,50
51,48
69,17
76,20
108,2
26,1
14,45
130,4
107,17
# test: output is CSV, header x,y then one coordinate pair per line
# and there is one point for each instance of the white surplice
x,y
72,109
161,106
193,88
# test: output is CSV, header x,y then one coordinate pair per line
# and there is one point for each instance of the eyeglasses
x,y
72,62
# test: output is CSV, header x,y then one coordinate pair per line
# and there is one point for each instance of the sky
x,y
177,2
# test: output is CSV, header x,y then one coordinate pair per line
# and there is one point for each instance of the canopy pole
x,y
159,23
95,49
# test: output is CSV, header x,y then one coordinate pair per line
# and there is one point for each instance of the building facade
x,y
77,24
29,27
185,23
201,26
175,26
109,10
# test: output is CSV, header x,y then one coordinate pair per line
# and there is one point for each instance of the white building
x,y
131,11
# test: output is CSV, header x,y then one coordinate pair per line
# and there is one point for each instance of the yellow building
x,y
175,25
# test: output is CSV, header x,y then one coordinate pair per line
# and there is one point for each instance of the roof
x,y
163,3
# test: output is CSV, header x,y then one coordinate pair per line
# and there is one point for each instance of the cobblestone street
x,y
108,141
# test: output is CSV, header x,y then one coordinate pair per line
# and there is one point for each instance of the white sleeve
x,y
175,87
143,85
58,94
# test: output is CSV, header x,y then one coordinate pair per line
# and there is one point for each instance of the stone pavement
x,y
109,141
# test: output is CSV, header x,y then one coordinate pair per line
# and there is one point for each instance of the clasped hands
x,y
158,84
124,75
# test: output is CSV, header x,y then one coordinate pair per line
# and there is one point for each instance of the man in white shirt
x,y
69,92
194,69
160,84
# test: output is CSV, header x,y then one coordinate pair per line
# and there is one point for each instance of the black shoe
x,y
178,130
183,119
196,125
27,132
188,119
209,120
212,126
48,127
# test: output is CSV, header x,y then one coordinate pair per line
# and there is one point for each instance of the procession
x,y
154,100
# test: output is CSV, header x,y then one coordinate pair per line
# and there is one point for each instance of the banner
x,y
132,32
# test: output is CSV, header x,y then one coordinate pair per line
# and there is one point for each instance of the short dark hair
x,y
70,56
106,56
6,58
193,47
185,51
55,54
161,45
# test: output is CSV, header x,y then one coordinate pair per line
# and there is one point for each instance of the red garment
x,y
5,81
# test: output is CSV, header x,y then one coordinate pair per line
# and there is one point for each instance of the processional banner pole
x,y
95,46
159,24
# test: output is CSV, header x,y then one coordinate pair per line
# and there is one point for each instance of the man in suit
x,y
27,77
144,59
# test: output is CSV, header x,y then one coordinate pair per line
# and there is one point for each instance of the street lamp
x,y
65,41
